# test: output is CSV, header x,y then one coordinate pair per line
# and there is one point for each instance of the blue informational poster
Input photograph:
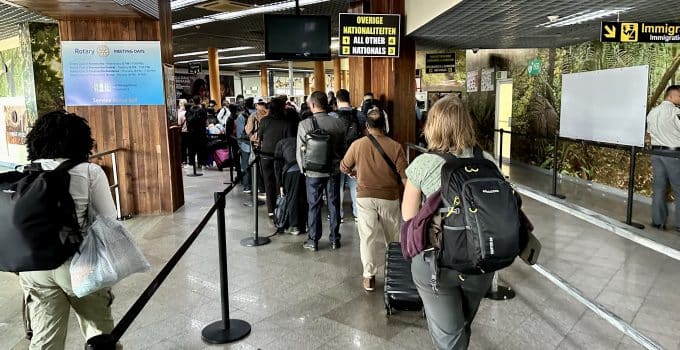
x,y
112,73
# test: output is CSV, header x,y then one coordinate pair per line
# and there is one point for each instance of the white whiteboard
x,y
605,105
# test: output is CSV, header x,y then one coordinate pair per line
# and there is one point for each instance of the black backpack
x,y
39,228
317,150
480,226
353,130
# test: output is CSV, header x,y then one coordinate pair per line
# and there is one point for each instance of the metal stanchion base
x,y
252,242
502,293
636,225
195,175
101,342
215,333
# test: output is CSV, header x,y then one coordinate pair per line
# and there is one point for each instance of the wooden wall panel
x,y
150,179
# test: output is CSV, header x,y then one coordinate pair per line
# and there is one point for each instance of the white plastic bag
x,y
107,255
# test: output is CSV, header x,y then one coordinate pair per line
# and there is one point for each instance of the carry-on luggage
x,y
400,291
222,157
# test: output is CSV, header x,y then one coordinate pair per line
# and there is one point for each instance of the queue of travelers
x,y
307,156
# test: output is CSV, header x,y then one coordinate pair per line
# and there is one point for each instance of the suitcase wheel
x,y
389,310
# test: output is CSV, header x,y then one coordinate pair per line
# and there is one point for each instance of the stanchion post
x,y
497,292
500,148
101,342
556,144
225,330
256,240
631,189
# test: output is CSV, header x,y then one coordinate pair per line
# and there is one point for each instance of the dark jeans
x,y
244,165
666,170
270,186
198,147
315,188
451,311
184,144
296,199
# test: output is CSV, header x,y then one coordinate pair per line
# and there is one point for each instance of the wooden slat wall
x,y
150,181
392,80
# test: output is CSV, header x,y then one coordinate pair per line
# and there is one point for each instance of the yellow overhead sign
x,y
640,32
374,35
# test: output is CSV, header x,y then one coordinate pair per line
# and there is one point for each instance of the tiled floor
x,y
297,299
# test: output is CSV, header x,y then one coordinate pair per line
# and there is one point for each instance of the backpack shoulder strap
x,y
477,152
315,124
67,165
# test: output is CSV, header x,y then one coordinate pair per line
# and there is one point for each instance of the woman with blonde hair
x,y
450,310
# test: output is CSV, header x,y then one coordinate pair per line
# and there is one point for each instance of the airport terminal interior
x,y
567,98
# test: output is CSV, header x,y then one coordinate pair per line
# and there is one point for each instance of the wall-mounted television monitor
x,y
290,37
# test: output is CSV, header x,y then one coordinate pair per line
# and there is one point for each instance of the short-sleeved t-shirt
x,y
425,171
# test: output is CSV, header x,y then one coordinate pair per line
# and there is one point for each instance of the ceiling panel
x,y
515,23
11,16
245,31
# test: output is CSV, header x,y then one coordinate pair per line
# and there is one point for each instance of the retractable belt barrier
x,y
223,331
633,153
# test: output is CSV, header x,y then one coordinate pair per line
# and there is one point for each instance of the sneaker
x,y
247,191
336,245
369,283
356,219
311,245
294,231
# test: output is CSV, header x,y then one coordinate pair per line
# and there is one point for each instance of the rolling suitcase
x,y
400,291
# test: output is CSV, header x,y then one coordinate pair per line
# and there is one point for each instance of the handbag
x,y
107,254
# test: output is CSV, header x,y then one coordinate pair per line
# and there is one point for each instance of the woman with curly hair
x,y
55,138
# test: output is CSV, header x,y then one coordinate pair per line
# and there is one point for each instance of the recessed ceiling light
x,y
583,16
246,63
179,4
229,49
226,16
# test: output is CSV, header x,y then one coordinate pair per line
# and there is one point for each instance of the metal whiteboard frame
x,y
606,105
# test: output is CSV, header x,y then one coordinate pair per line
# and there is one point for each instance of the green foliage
x,y
47,71
537,103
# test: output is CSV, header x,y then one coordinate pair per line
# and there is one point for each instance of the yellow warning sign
x,y
629,32
609,31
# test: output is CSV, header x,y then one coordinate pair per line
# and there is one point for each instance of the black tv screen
x,y
289,37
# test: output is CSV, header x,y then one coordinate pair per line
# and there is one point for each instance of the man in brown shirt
x,y
378,189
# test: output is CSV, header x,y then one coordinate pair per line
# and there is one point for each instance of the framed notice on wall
x,y
472,81
112,73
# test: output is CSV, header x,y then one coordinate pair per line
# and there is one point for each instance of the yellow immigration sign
x,y
640,32
369,35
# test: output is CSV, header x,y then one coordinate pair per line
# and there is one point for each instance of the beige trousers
x,y
49,298
377,218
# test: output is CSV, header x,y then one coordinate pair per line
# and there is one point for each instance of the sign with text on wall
x,y
112,73
640,32
369,35
440,63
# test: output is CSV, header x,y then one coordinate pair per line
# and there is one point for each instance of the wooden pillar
x,y
306,83
150,179
396,91
319,76
337,74
264,81
214,71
